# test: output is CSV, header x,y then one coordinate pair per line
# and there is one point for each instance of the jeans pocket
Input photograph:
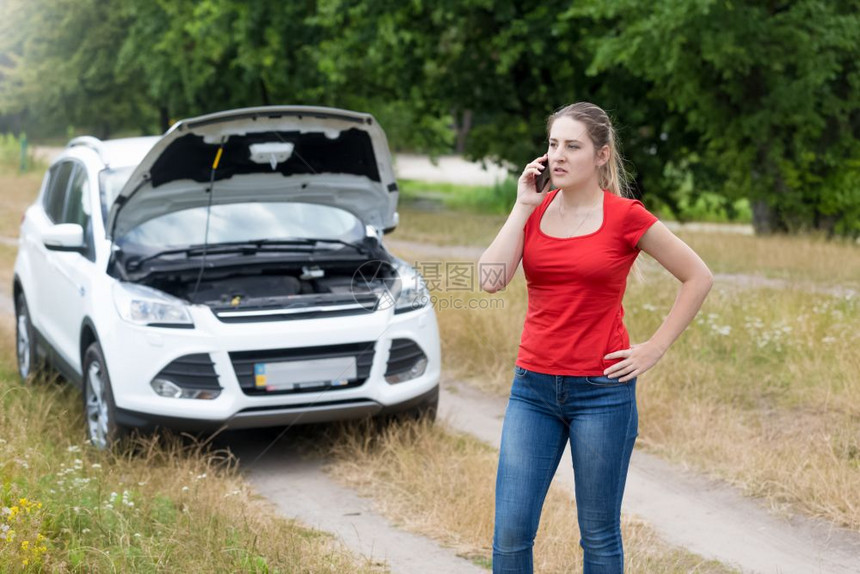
x,y
604,381
519,371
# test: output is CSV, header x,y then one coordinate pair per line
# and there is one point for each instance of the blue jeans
x,y
599,417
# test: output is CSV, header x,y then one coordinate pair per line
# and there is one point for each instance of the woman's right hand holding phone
x,y
527,194
507,248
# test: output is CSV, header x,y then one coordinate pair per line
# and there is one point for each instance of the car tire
x,y
103,431
25,340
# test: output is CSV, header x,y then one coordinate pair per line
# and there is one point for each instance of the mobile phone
x,y
542,179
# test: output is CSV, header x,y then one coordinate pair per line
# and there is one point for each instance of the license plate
x,y
308,374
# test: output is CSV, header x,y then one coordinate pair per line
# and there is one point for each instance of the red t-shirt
x,y
575,288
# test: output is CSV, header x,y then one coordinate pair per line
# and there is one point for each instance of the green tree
x,y
199,57
60,69
746,98
506,65
751,99
769,90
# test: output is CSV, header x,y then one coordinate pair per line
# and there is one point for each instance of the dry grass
x,y
17,192
804,258
773,406
762,389
447,227
441,485
168,505
7,268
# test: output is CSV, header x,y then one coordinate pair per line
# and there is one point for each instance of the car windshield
x,y
253,221
112,181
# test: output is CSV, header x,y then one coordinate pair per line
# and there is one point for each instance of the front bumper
x,y
134,355
278,416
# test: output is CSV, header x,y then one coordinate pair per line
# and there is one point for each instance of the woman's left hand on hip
x,y
636,360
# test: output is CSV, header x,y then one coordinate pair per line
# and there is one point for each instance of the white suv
x,y
230,273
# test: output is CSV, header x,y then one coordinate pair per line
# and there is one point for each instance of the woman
x,y
575,374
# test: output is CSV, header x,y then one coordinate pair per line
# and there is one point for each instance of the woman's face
x,y
571,153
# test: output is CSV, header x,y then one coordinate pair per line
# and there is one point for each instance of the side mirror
x,y
65,237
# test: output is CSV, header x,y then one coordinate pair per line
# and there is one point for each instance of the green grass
x,y
163,505
10,156
499,198
707,207
495,199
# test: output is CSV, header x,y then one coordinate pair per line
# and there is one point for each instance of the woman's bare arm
x,y
696,280
500,260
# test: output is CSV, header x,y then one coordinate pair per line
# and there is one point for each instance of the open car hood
x,y
278,153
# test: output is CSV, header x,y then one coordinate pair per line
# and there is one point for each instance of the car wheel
x,y
25,340
99,408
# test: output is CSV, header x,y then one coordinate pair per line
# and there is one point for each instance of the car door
x,y
68,274
40,219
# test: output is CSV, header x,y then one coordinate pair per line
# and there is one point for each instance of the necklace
x,y
584,217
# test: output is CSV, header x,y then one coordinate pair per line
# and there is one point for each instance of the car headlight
x,y
143,305
413,291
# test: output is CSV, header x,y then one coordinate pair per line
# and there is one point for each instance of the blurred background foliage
x,y
717,101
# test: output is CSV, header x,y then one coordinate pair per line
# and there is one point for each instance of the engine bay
x,y
270,292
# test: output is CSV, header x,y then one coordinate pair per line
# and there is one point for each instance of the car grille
x,y
191,372
244,362
403,355
298,307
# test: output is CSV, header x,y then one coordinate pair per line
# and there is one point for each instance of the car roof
x,y
119,152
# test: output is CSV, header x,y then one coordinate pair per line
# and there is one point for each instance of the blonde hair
x,y
611,175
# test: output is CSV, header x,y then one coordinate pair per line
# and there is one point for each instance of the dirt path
x,y
704,516
741,280
299,488
687,510
447,169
